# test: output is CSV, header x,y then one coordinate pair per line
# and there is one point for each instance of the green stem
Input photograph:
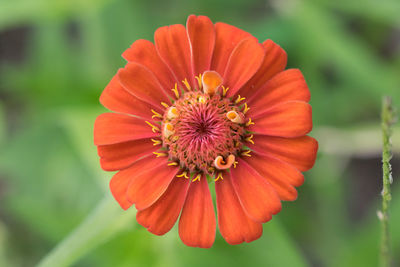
x,y
387,122
104,221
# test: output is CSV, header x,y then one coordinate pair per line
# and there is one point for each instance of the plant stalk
x,y
388,119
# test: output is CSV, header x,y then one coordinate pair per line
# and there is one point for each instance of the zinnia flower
x,y
206,105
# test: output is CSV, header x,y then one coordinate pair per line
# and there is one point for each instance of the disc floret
x,y
204,130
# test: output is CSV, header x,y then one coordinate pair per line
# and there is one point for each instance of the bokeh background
x,y
57,56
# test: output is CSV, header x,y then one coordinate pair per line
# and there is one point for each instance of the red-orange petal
x,y
144,52
120,181
201,35
288,85
147,186
289,119
112,128
141,82
257,196
116,98
197,224
227,37
243,63
235,226
173,46
299,152
160,217
281,175
121,155
274,62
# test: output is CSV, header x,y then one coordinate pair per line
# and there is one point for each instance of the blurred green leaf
x,y
355,65
17,12
78,124
105,220
386,11
45,181
4,261
2,124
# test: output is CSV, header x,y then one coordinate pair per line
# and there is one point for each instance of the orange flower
x,y
206,105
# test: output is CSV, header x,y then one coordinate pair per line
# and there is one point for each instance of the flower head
x,y
206,105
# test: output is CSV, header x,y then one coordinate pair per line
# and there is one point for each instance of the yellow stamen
x,y
219,176
234,164
165,105
173,164
156,114
186,83
249,139
156,142
153,128
224,90
197,178
246,153
158,154
249,122
183,174
238,99
235,117
198,78
246,108
175,90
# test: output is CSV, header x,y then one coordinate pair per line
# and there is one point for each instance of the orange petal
x,y
274,62
116,98
160,217
227,37
111,128
201,35
140,82
243,63
235,226
299,152
121,155
286,86
144,52
281,175
257,196
120,181
147,186
174,48
197,224
289,119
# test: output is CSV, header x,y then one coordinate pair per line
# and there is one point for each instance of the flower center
x,y
204,131
200,131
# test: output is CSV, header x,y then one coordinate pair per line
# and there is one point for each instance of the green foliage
x,y
2,124
50,179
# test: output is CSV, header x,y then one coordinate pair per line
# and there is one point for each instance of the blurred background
x,y
57,56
